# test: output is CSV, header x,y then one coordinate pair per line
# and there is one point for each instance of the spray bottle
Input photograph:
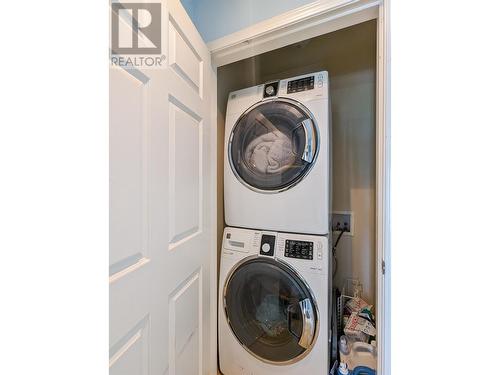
x,y
344,349
343,370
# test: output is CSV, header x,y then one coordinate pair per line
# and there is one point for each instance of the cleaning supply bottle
x,y
363,370
343,370
362,354
344,349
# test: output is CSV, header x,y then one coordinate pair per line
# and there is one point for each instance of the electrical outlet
x,y
341,219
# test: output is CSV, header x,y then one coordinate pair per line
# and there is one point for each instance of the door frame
x,y
315,19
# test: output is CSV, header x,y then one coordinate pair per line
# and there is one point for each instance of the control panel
x,y
299,249
301,84
267,244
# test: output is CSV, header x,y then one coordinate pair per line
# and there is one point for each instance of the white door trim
x,y
383,169
308,21
213,245
318,18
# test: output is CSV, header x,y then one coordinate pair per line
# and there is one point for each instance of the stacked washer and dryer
x,y
274,291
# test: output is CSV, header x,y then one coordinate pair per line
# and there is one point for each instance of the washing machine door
x,y
270,310
273,145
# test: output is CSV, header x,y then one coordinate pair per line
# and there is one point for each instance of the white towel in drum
x,y
270,153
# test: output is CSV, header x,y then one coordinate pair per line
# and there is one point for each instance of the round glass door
x,y
270,310
273,145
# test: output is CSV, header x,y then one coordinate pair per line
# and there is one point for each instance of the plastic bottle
x,y
342,370
363,370
344,349
362,354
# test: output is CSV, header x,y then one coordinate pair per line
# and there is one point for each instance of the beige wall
x,y
349,55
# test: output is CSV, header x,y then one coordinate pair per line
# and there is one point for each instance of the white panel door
x,y
162,209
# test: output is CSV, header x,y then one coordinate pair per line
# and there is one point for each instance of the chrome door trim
x,y
315,143
313,308
308,323
310,146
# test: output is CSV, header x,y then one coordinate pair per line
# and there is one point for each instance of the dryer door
x,y
273,145
270,310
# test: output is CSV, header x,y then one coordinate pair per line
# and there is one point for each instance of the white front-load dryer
x,y
276,164
273,303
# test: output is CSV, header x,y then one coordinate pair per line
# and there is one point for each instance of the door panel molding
x,y
183,57
128,138
141,261
186,330
185,169
134,344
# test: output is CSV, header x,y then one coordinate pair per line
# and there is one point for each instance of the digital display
x,y
301,84
299,249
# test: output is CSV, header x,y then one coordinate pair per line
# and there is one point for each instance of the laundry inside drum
x,y
269,143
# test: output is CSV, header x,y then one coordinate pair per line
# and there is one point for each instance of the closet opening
x,y
349,56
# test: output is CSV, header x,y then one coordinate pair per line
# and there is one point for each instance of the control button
x,y
266,247
269,90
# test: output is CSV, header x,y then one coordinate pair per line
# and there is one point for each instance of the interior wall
x,y
349,55
217,18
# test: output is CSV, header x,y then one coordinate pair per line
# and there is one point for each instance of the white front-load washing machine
x,y
273,303
276,164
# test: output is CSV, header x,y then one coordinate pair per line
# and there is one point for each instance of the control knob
x,y
270,90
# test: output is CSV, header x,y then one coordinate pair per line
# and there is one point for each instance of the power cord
x,y
343,230
334,247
